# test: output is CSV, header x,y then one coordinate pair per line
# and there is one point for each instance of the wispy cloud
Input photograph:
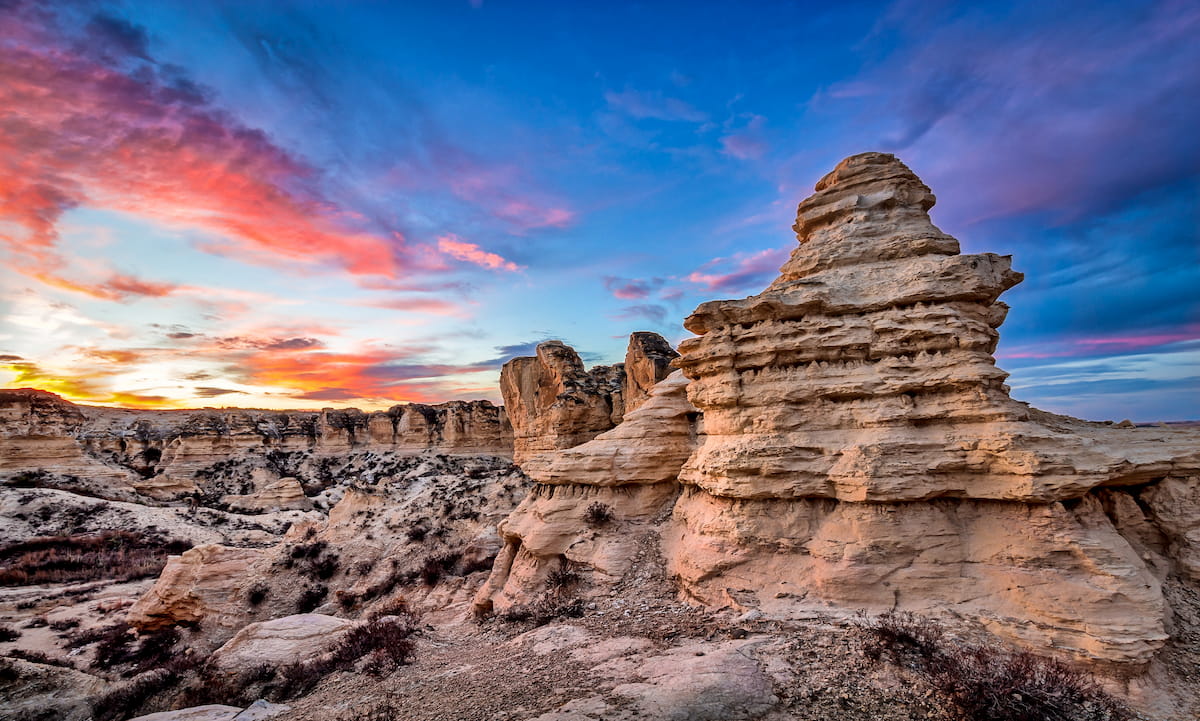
x,y
653,105
459,249
632,288
740,271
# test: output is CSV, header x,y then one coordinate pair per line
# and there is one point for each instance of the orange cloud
x,y
459,249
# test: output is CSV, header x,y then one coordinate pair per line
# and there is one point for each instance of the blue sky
x,y
307,204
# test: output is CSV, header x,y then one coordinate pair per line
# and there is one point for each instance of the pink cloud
x,y
1107,345
632,288
459,249
78,131
740,271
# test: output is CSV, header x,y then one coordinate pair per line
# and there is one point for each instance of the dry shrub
x,y
124,700
8,633
435,567
65,624
119,555
310,598
543,611
988,682
39,657
561,579
598,514
384,643
257,593
118,646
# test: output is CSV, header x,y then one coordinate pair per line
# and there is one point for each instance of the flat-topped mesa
x,y
861,449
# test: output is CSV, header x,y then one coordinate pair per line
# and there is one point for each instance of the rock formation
x,y
422,528
592,501
850,444
647,361
554,403
862,450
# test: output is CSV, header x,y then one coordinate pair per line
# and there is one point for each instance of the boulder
x,y
280,641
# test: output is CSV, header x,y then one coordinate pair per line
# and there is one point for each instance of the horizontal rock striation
x,y
862,451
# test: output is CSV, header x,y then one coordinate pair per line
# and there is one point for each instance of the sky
x,y
318,204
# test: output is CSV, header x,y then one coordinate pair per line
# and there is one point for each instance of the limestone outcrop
x,y
203,585
862,450
425,529
553,402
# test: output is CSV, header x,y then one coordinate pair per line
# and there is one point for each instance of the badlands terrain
x,y
825,505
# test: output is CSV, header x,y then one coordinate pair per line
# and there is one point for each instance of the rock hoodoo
x,y
862,450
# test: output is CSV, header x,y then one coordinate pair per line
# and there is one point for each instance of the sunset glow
x,y
359,204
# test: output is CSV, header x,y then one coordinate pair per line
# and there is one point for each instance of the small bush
x,y
561,579
598,514
397,606
310,598
65,624
8,633
118,645
39,657
436,567
124,700
986,683
8,670
543,611
257,593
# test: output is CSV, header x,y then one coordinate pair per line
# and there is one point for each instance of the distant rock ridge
x,y
123,454
850,444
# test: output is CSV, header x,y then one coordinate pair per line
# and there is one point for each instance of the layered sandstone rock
x,y
280,641
647,361
273,494
862,450
553,402
204,585
594,500
424,527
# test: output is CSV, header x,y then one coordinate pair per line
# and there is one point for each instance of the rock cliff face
x,y
241,457
554,403
862,450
